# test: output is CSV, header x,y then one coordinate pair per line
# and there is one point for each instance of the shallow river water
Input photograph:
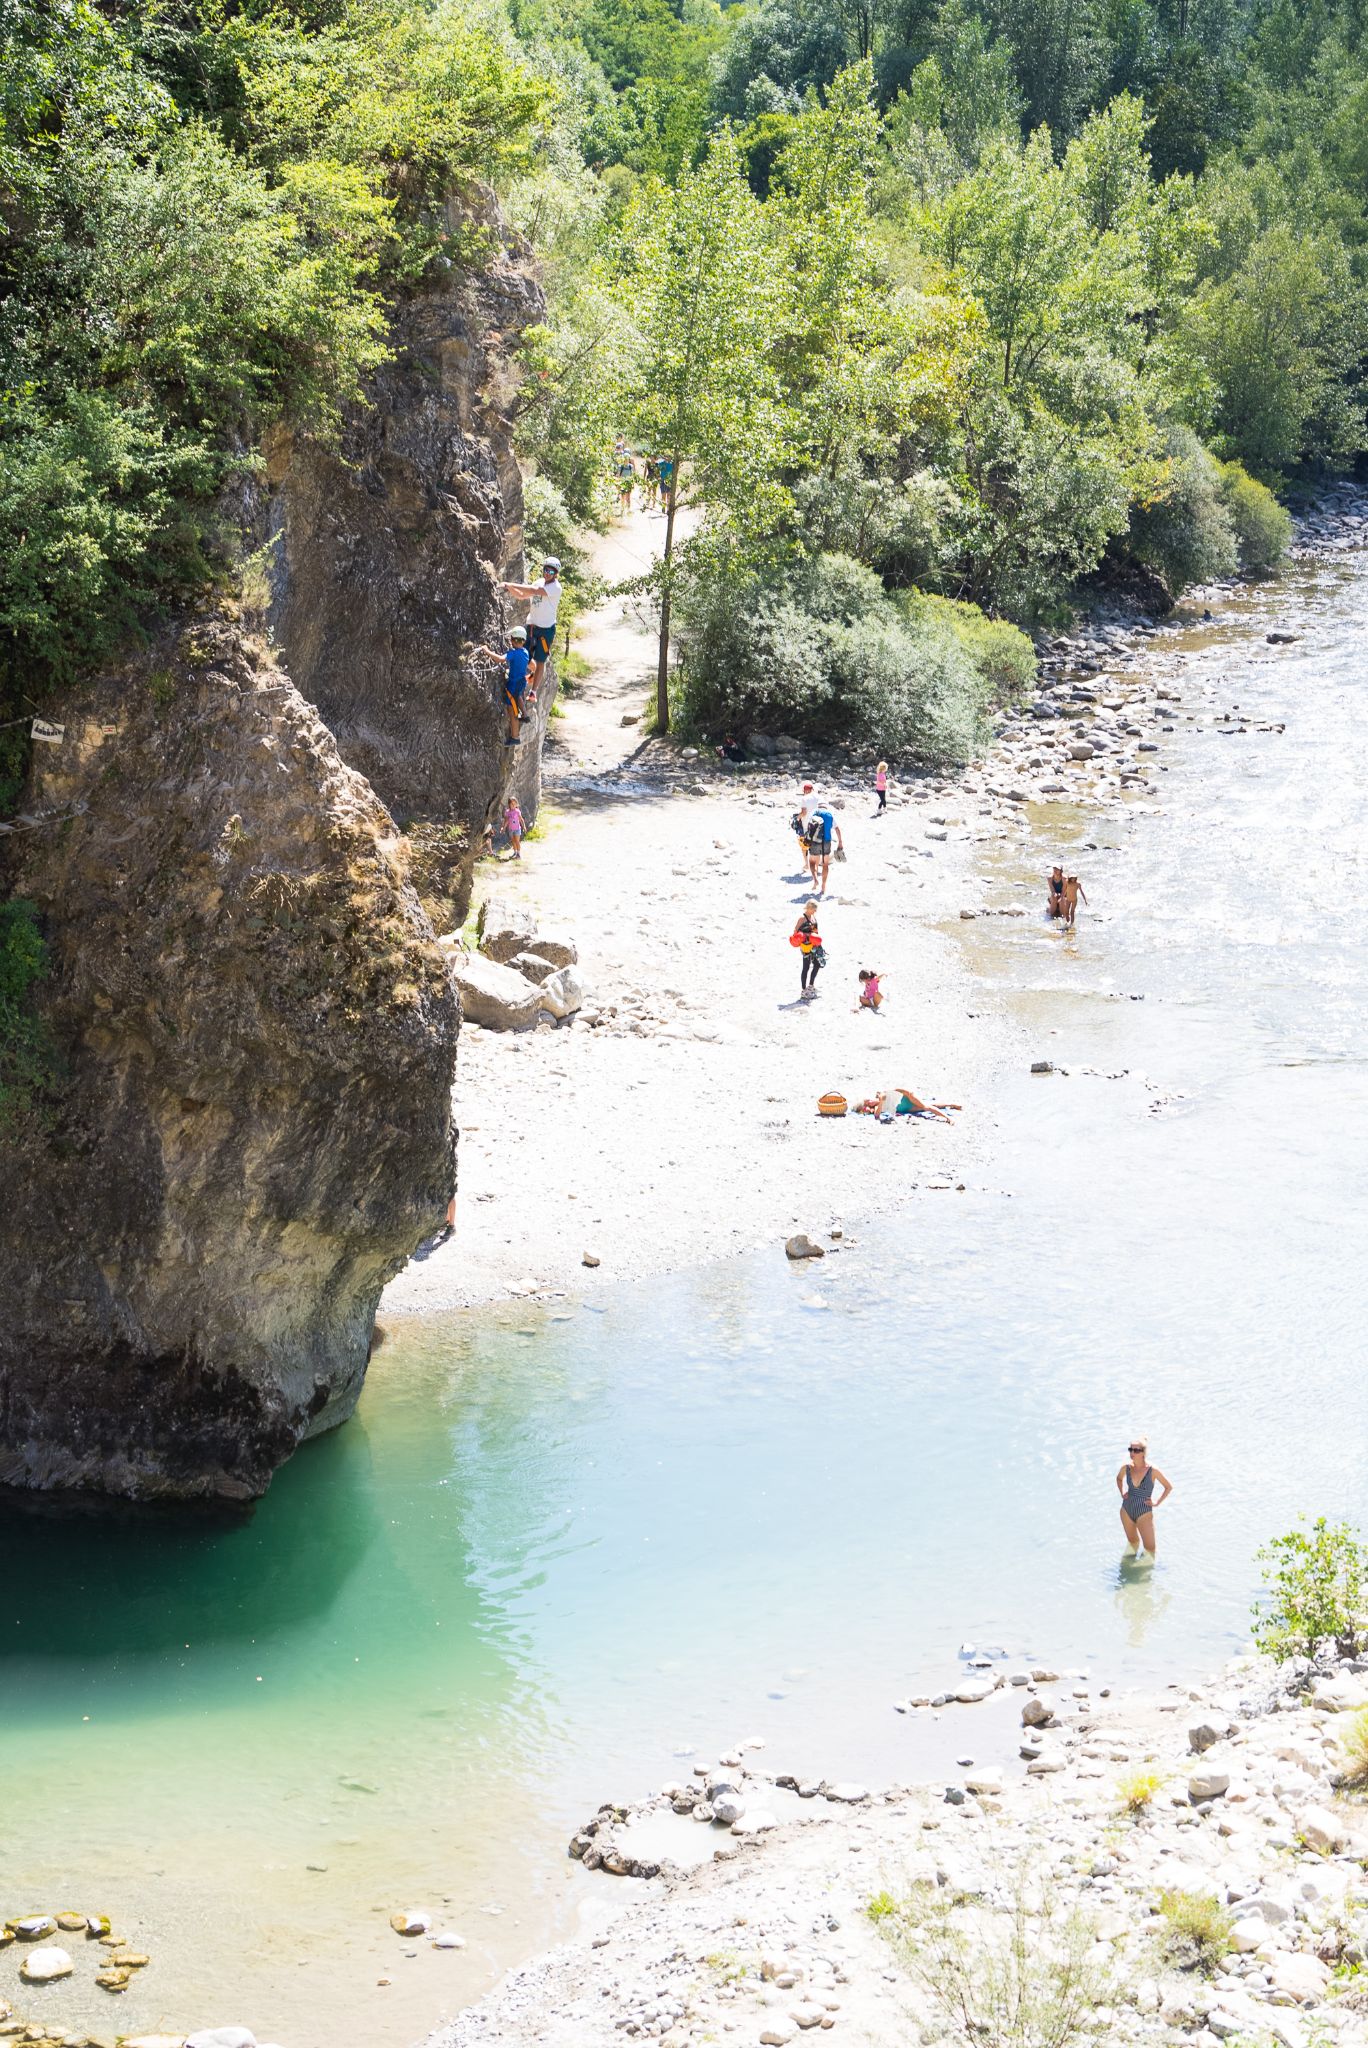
x,y
559,1550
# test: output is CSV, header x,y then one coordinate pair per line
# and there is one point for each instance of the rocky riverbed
x,y
1196,1852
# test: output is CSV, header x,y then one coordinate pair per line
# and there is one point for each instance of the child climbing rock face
x,y
517,696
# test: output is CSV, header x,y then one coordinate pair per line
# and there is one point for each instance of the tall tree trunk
x,y
663,664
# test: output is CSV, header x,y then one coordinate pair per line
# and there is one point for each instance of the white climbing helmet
x,y
552,562
518,633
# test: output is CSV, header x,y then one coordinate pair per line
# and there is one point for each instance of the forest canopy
x,y
946,307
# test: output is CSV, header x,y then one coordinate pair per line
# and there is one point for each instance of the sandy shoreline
x,y
681,1127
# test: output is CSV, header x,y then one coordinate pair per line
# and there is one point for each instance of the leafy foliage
x,y
1316,1588
204,212
1027,1978
1196,1929
26,1053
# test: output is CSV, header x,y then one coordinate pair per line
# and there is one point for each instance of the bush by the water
x,y
820,650
1263,527
1316,1590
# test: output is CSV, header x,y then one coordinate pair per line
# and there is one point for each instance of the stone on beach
x,y
1320,1829
1203,1785
416,1921
493,995
1037,1713
45,1965
802,1247
1202,1735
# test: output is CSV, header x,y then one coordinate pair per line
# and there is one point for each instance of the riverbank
x,y
1189,1850
590,1153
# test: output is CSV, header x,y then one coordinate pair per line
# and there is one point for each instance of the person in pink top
x,y
513,826
881,788
871,994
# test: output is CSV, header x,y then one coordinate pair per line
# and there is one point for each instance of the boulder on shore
x,y
494,995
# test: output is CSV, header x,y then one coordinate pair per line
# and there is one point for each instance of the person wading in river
x,y
1135,1484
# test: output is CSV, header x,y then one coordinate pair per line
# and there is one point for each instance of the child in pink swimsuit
x,y
871,995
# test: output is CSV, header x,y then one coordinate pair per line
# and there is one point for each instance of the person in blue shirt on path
x,y
520,699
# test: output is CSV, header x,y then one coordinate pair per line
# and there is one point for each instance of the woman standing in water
x,y
1135,1484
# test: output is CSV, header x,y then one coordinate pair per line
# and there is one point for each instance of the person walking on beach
x,y
1073,889
544,599
820,827
808,940
517,698
881,788
513,826
1135,1484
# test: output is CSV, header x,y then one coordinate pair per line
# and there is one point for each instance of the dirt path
x,y
616,640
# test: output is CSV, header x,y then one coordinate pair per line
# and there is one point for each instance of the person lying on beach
x,y
891,1102
1073,889
871,991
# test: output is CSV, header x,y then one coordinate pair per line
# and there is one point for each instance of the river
x,y
560,1550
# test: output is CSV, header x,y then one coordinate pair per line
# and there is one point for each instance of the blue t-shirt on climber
x,y
519,661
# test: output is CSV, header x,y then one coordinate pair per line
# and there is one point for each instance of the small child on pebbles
x,y
871,994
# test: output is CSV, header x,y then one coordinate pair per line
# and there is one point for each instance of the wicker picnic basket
x,y
832,1104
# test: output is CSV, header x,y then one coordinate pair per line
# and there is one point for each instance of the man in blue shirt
x,y
516,661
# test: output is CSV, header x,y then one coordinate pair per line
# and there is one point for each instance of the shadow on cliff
x,y
118,1577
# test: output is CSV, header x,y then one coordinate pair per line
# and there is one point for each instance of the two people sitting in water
x,y
1135,1483
1062,893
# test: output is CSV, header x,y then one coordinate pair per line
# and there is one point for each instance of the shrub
x,y
1001,652
816,647
1316,1588
1027,1978
1353,1738
1137,1788
1185,530
26,1053
1263,527
1196,1929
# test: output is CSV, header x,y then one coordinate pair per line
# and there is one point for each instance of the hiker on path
x,y
513,826
881,788
626,477
517,696
1135,1484
806,937
665,470
544,598
650,483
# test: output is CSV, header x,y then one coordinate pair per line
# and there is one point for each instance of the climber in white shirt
x,y
545,600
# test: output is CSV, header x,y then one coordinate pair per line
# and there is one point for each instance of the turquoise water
x,y
558,1548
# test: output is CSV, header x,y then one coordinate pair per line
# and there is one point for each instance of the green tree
x,y
701,284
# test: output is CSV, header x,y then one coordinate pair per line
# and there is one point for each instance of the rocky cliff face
x,y
389,555
257,1033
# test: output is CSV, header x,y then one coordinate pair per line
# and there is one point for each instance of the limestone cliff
x,y
389,552
256,1033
